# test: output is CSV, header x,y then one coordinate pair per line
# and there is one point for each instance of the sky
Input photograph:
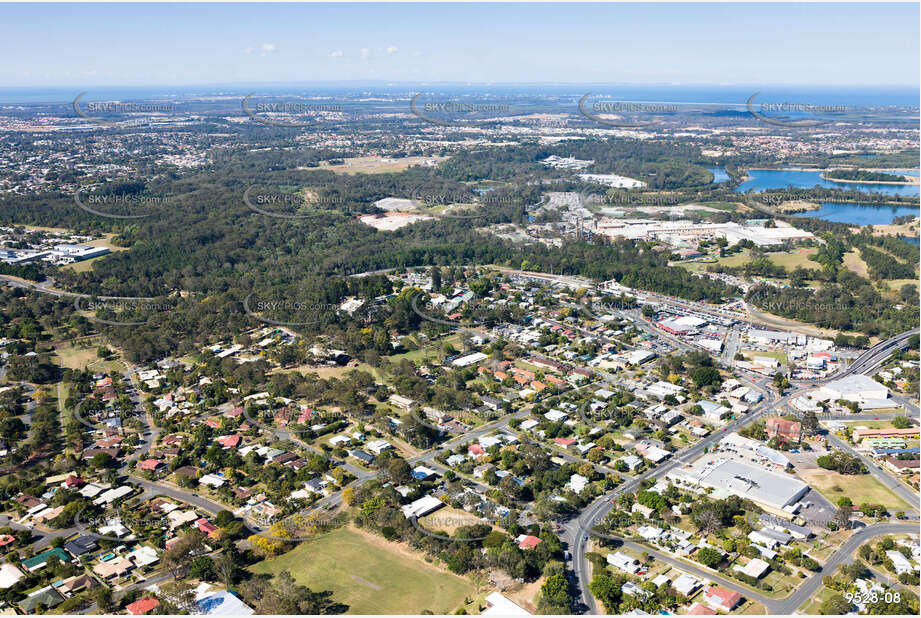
x,y
195,44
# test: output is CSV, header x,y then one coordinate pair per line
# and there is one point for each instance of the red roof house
x,y
720,598
139,608
529,542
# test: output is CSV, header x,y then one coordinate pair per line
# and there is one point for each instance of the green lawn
x,y
778,355
813,606
371,577
860,488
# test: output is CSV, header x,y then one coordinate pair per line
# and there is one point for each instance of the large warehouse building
x,y
768,489
858,388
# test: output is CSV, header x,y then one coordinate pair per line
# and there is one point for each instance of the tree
x,y
202,567
835,605
709,557
843,516
810,423
704,376
607,590
555,595
103,598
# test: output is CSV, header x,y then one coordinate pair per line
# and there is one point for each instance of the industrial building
x,y
768,489
858,388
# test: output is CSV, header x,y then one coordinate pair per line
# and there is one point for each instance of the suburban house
x,y
722,599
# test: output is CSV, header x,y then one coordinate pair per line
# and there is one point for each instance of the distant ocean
x,y
728,95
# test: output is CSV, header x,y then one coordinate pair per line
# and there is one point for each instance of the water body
x,y
761,180
719,174
859,214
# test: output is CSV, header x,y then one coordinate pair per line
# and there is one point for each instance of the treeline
x,y
862,175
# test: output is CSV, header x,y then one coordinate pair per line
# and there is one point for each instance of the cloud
x,y
365,52
392,50
263,50
336,54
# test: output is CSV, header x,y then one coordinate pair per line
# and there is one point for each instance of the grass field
x,y
853,261
896,284
860,488
376,165
781,357
371,575
871,424
799,257
814,605
75,357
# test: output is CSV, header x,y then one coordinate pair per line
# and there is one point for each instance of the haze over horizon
x,y
814,45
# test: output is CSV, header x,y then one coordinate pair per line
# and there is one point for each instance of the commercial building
x,y
777,427
770,490
861,434
859,388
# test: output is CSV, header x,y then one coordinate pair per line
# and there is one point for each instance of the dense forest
x,y
863,176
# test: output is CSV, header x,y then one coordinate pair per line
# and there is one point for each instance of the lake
x,y
859,214
761,180
719,174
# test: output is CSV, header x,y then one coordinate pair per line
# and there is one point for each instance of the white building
x,y
858,388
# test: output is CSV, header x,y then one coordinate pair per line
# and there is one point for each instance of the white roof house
x,y
498,605
113,494
9,576
379,446
755,568
686,584
556,416
143,556
470,359
899,562
211,480
627,564
421,507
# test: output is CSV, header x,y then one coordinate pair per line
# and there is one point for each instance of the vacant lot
x,y
376,165
777,355
448,519
860,488
853,261
371,575
75,357
798,257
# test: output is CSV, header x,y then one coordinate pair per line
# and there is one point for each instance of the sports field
x,y
371,575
